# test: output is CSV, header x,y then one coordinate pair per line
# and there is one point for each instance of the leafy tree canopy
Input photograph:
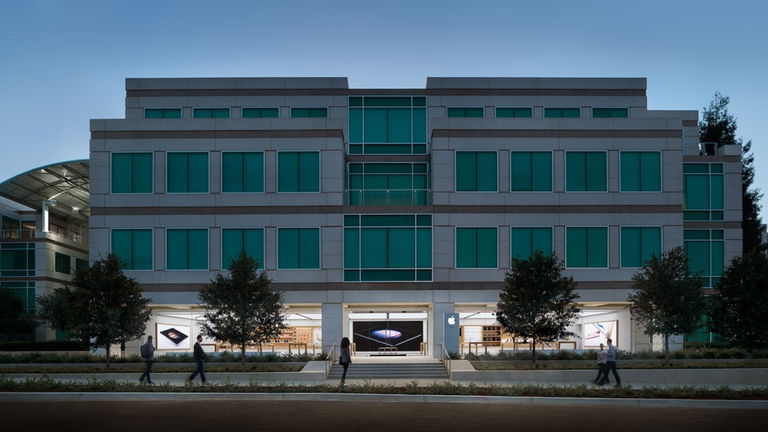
x,y
13,319
537,301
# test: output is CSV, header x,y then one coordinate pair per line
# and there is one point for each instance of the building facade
x,y
379,213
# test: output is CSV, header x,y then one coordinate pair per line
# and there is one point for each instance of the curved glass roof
x,y
66,183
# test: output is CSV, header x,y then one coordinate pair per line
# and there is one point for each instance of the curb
x,y
372,397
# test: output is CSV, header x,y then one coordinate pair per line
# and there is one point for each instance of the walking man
x,y
147,352
602,358
200,358
610,365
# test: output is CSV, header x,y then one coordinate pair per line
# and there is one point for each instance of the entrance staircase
x,y
391,369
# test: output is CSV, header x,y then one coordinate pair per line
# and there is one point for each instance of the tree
x,y
101,305
740,303
666,298
13,319
241,308
719,126
537,302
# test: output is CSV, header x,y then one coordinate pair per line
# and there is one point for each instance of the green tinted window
x,y
81,265
62,263
298,248
387,248
309,112
298,172
132,173
187,249
387,125
562,112
465,112
133,247
531,171
610,112
703,192
514,112
259,113
210,113
476,171
640,171
242,172
586,247
388,184
17,259
476,247
235,241
525,241
638,244
162,113
705,250
187,172
585,171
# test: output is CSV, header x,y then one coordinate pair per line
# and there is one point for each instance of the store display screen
x,y
372,335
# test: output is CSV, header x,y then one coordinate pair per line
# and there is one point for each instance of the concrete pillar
x,y
333,314
438,329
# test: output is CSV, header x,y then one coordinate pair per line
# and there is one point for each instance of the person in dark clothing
x,y
602,358
346,358
147,352
610,365
200,358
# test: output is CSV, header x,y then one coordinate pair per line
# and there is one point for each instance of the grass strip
x,y
156,368
46,384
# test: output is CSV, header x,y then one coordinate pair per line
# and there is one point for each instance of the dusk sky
x,y
64,62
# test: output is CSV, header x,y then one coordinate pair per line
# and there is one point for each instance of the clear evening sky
x,y
64,62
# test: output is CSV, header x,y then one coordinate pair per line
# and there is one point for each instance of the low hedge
x,y
684,354
165,358
445,388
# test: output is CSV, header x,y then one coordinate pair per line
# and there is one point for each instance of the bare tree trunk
x,y
242,354
122,349
667,359
533,349
109,347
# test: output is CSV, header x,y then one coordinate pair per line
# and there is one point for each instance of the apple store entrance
x,y
388,335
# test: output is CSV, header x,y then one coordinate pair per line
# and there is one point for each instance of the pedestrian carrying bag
x,y
144,351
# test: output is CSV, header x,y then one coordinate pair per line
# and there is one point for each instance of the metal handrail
x,y
387,196
446,358
330,360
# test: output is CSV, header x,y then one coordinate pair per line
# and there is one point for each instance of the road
x,y
189,416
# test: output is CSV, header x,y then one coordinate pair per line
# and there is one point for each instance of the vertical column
x,y
438,326
332,324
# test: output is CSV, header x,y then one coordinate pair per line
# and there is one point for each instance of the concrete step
x,y
390,370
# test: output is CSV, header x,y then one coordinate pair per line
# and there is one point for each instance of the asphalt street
x,y
362,416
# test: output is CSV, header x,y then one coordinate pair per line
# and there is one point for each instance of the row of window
x,y
198,113
527,112
187,172
399,247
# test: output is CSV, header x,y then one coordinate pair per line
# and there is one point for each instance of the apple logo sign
x,y
451,320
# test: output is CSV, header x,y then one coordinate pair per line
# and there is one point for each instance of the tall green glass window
x,y
187,172
610,112
388,184
242,172
187,249
562,112
586,247
585,172
468,112
298,172
309,112
640,171
210,113
476,171
703,191
133,247
298,248
387,125
62,263
705,250
524,241
639,244
162,113
387,248
530,171
514,112
235,241
24,291
131,173
259,113
17,259
476,247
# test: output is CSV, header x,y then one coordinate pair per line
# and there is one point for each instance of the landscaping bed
x,y
221,357
446,388
50,368
623,364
